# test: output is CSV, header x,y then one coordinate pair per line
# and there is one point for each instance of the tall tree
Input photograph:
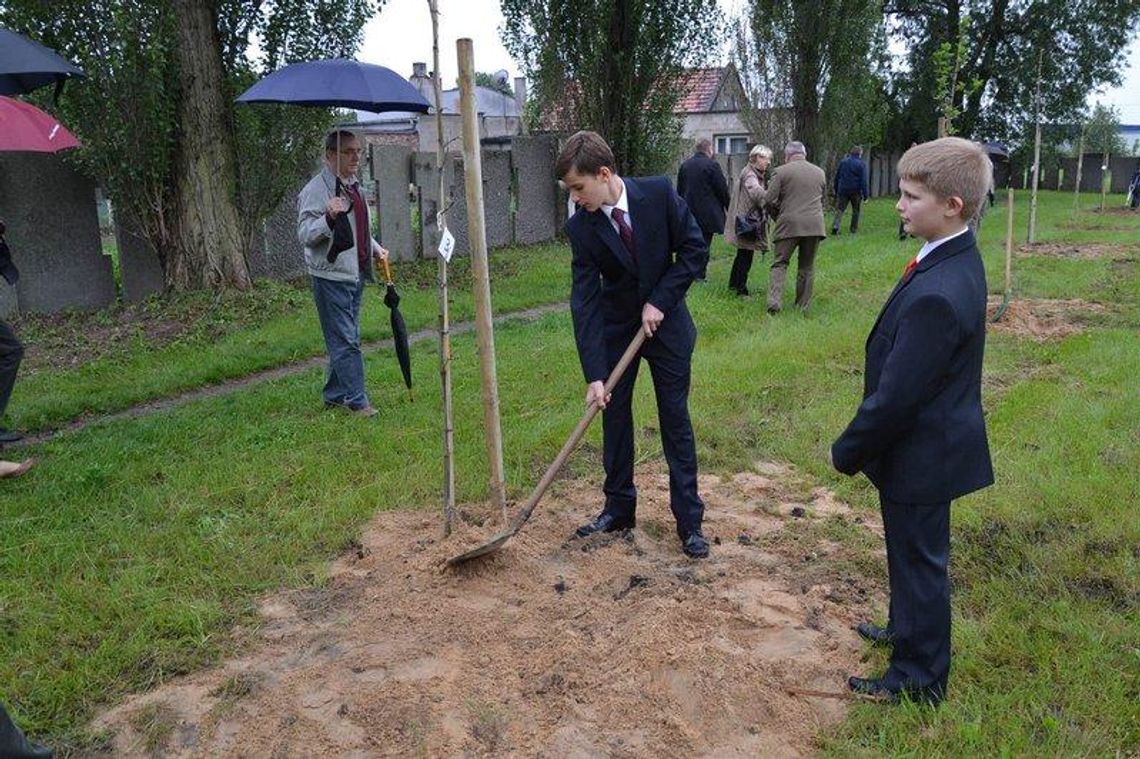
x,y
614,66
195,177
824,55
1102,132
1081,41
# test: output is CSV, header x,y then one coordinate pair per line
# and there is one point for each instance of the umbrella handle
x,y
387,271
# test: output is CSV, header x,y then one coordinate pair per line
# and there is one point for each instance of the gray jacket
x,y
314,233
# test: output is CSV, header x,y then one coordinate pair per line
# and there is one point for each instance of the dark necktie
x,y
625,232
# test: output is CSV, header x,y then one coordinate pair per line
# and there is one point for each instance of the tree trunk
x,y
208,252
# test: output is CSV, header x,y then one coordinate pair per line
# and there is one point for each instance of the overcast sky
x,y
401,34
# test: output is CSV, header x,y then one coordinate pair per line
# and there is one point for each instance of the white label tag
x,y
446,244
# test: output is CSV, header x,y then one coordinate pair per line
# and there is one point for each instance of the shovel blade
x,y
481,550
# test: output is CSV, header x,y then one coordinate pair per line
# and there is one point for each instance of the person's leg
x,y
671,380
856,209
338,307
11,352
617,447
779,272
805,270
741,265
703,274
840,207
13,743
920,598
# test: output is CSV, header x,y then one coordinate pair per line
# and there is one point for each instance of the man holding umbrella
x,y
333,223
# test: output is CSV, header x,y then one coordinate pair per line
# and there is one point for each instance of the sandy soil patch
x,y
617,645
1041,319
1079,250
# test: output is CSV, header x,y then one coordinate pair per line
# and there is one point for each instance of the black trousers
x,y
13,744
741,265
671,377
708,245
841,201
11,351
918,561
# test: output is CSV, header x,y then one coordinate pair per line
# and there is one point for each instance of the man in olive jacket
x,y
795,196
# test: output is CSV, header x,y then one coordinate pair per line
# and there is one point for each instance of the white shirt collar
x,y
622,203
929,247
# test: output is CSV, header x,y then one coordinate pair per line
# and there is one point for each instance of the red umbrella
x,y
24,127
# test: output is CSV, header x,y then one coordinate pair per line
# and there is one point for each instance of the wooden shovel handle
x,y
576,436
387,271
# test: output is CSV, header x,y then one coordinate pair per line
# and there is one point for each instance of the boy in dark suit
x,y
919,434
636,249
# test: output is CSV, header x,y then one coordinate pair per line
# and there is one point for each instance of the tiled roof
x,y
698,89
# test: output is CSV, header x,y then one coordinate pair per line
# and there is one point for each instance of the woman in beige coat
x,y
747,197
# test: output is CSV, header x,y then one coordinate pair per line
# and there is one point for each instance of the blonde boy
x,y
919,435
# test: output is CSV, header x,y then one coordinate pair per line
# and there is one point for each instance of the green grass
x,y
286,331
138,546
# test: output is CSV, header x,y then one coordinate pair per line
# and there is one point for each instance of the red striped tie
x,y
909,267
625,232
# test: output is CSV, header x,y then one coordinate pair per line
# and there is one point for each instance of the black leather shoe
x,y
872,687
694,545
880,636
10,436
876,689
606,522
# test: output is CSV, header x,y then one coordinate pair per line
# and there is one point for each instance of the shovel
x,y
552,471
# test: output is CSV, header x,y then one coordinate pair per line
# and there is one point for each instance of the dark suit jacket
x,y
701,183
851,177
919,434
608,292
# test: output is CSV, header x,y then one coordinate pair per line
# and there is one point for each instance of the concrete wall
x,y
139,266
53,231
696,126
392,171
537,187
489,126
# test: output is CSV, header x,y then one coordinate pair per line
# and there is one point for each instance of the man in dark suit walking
x,y
919,434
701,182
636,250
852,187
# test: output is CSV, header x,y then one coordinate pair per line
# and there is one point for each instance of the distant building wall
x,y
53,232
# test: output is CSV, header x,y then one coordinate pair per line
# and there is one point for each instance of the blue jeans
x,y
338,306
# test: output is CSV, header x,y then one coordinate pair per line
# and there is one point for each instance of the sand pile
x,y
617,645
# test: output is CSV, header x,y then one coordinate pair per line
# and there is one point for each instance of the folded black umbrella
x,y
399,328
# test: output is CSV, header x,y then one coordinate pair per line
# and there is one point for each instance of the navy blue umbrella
x,y
338,83
343,83
27,65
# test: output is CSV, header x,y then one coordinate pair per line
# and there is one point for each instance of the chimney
x,y
520,98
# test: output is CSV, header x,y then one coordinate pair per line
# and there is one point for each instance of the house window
x,y
731,143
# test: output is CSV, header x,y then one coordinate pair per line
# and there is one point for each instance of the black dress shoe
x,y
874,688
606,522
694,545
880,636
10,436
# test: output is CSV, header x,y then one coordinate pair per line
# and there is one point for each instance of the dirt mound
x,y
615,645
1040,319
1080,250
